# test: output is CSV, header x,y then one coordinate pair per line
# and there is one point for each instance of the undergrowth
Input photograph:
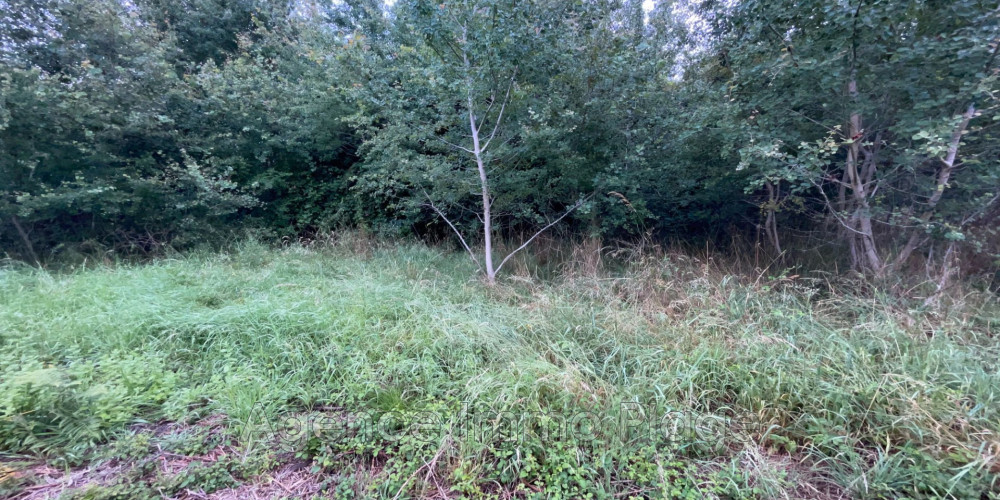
x,y
393,372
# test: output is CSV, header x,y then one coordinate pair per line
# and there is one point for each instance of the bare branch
x,y
503,106
542,230
453,228
493,101
456,146
833,211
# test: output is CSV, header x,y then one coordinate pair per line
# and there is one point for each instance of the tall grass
x,y
850,393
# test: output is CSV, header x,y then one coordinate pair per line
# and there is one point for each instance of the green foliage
x,y
67,408
90,147
132,138
209,30
119,491
209,478
905,73
204,477
167,123
414,94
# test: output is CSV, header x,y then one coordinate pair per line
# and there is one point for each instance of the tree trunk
x,y
26,240
491,274
771,224
948,166
477,152
864,252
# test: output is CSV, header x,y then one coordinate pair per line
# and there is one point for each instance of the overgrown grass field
x,y
190,377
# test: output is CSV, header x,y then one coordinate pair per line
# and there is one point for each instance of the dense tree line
x,y
866,125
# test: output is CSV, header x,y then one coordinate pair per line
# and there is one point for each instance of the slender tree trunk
x,y
863,250
26,240
491,273
947,167
771,224
842,192
480,145
477,152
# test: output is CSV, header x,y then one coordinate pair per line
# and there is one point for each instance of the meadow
x,y
190,377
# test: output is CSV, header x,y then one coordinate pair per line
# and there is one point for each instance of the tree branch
x,y
456,146
503,106
453,228
542,230
944,175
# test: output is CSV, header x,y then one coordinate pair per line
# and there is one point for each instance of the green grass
x,y
782,387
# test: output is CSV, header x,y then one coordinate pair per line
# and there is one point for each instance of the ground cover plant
x,y
353,368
